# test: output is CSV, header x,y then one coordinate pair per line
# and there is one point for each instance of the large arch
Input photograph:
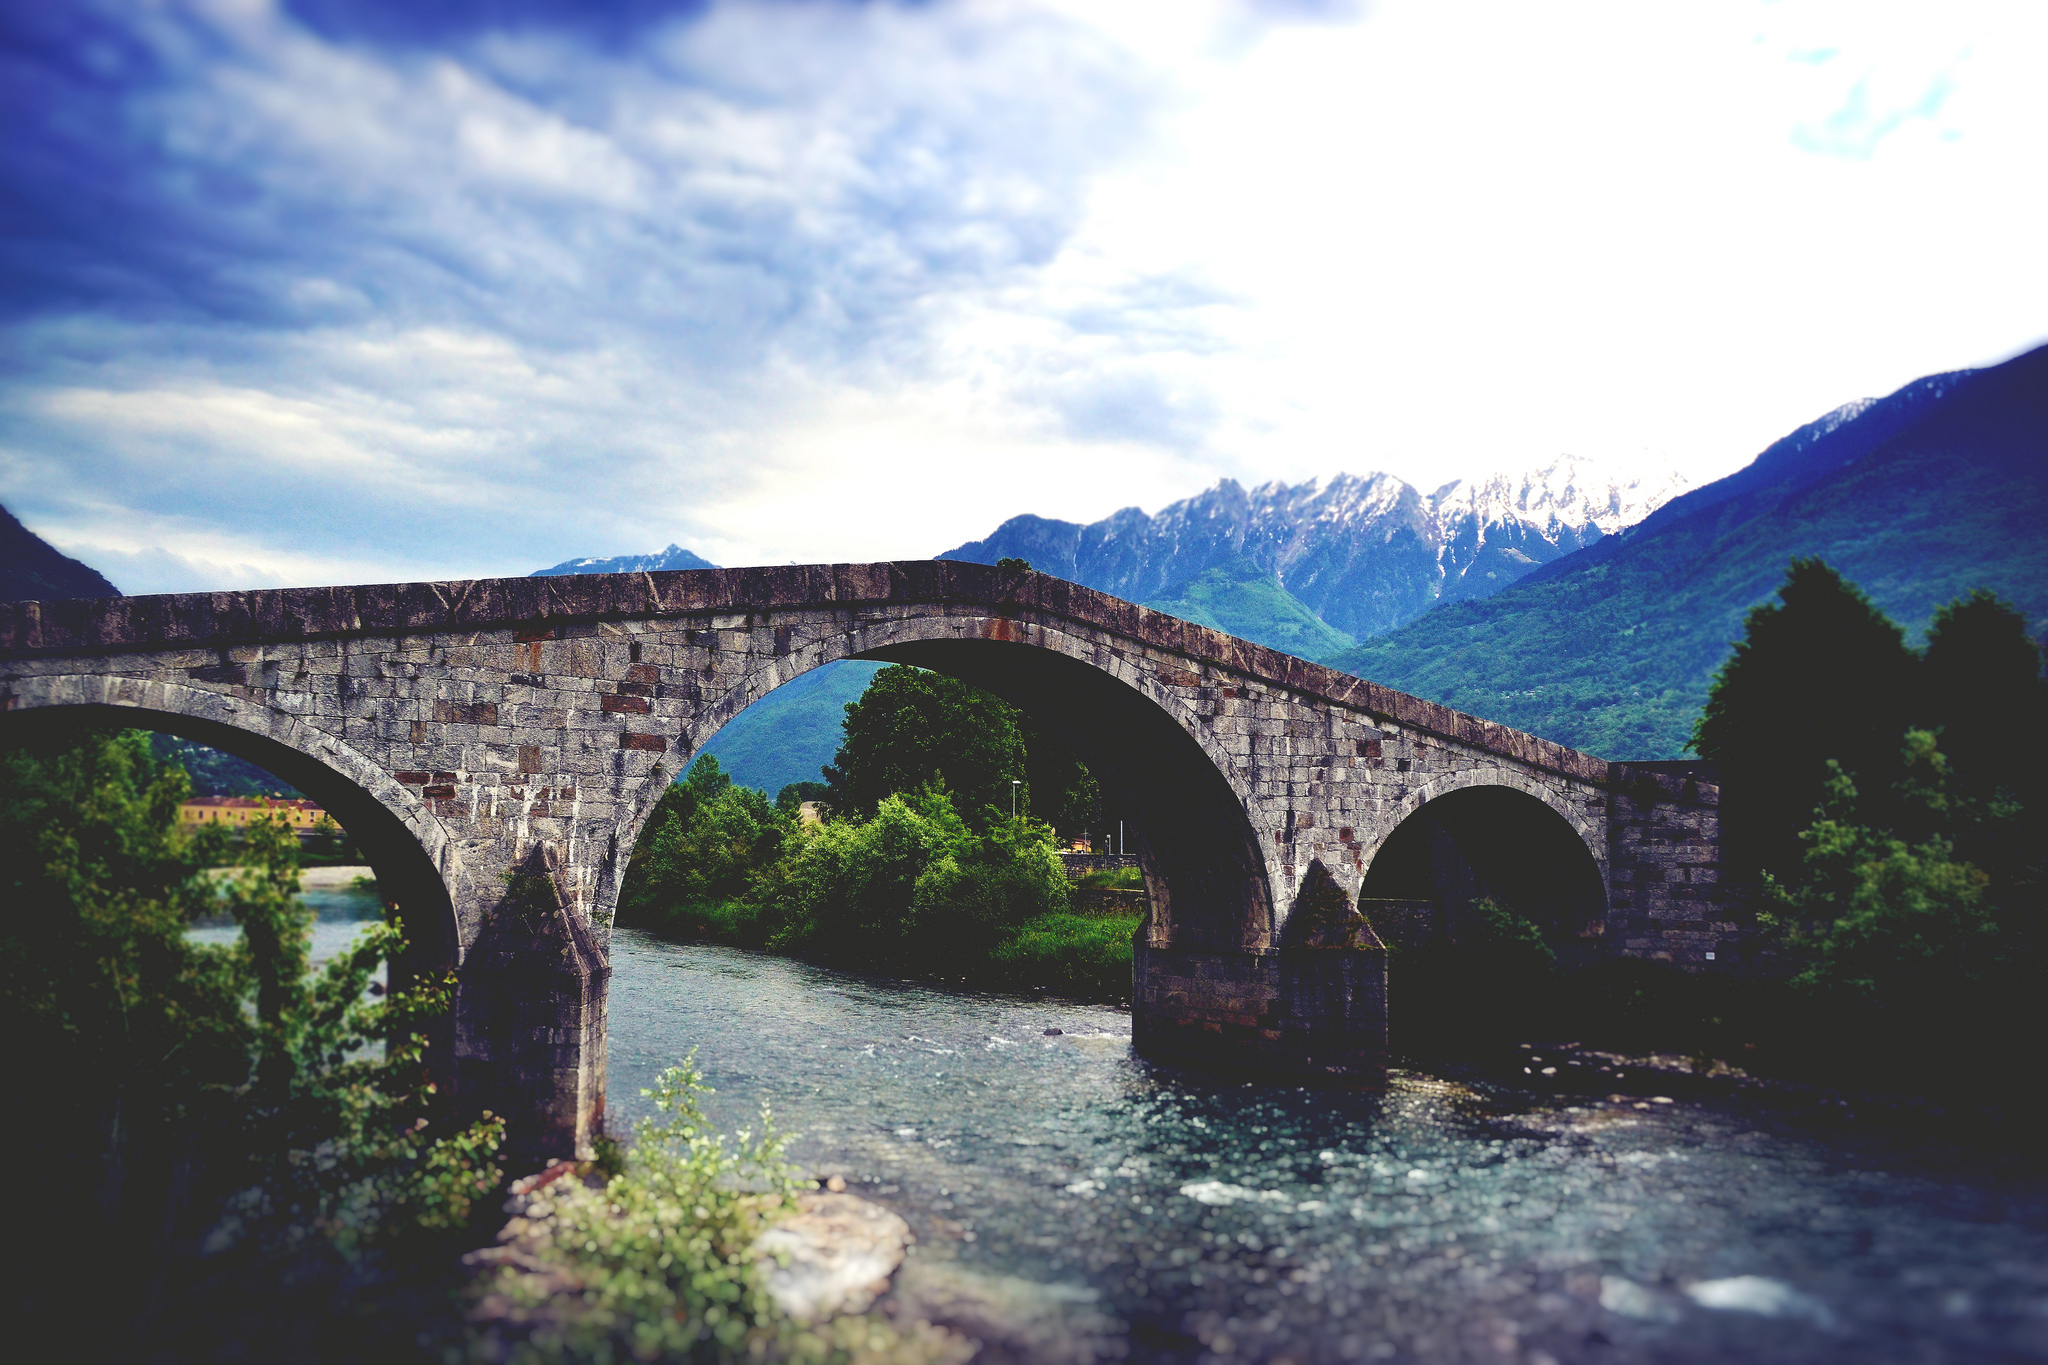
x,y
412,855
1496,834
1193,837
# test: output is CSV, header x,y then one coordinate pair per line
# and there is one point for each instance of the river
x,y
1073,1201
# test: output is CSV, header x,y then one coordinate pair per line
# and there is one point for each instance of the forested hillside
x,y
33,570
1918,498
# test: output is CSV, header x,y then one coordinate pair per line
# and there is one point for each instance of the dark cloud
x,y
438,23
373,278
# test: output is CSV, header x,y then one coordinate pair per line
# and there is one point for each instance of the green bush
x,y
1906,954
661,1259
703,846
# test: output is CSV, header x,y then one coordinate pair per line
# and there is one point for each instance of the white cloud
x,y
805,282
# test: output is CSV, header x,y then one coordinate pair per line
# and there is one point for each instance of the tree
x,y
1059,788
702,846
1821,674
912,728
1983,688
1914,951
169,1072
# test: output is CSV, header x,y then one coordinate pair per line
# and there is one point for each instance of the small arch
x,y
404,842
1508,839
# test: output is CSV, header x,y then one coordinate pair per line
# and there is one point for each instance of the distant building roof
x,y
252,802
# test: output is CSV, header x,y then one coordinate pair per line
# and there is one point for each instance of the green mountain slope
x,y
791,733
33,570
1239,598
1612,650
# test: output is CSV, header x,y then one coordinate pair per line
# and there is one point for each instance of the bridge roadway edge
x,y
1659,833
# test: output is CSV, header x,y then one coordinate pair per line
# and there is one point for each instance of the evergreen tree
x,y
913,727
1984,689
1821,674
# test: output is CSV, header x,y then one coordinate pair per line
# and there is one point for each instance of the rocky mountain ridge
x,y
1363,553
1918,497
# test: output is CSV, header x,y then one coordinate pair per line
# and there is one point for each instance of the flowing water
x,y
1073,1201
344,902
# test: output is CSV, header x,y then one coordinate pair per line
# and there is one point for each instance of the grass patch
x,y
1116,879
1076,954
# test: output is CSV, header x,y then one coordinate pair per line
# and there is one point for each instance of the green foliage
x,y
174,1071
1058,788
912,728
662,1259
660,1254
1114,879
1895,924
1020,565
1822,676
1983,686
703,846
912,885
1500,935
1242,599
1079,954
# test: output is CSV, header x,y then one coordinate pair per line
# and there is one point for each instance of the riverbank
x,y
1085,956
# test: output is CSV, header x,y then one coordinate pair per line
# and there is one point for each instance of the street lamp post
x,y
1014,784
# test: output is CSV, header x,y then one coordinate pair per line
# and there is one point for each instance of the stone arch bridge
x,y
495,745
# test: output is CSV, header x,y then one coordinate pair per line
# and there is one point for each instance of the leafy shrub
x,y
658,1263
703,846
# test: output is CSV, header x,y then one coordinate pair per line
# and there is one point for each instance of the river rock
x,y
840,1251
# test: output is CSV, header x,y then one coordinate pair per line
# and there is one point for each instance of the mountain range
x,y
1362,554
1918,498
674,557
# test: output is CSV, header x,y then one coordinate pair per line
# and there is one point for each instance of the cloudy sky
x,y
323,291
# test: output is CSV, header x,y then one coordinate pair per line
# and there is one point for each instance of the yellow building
x,y
303,816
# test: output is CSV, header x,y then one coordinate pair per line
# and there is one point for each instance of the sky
x,y
321,291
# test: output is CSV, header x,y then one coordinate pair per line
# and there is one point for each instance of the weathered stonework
x,y
466,731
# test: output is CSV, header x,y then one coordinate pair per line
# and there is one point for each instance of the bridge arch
x,y
415,861
1497,833
1141,740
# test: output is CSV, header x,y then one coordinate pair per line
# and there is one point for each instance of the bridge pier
x,y
1313,1013
529,1029
1315,1006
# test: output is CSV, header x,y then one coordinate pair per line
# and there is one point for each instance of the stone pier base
x,y
1316,1013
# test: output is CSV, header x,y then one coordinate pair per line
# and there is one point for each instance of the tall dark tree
x,y
1820,674
1985,691
1060,788
912,727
